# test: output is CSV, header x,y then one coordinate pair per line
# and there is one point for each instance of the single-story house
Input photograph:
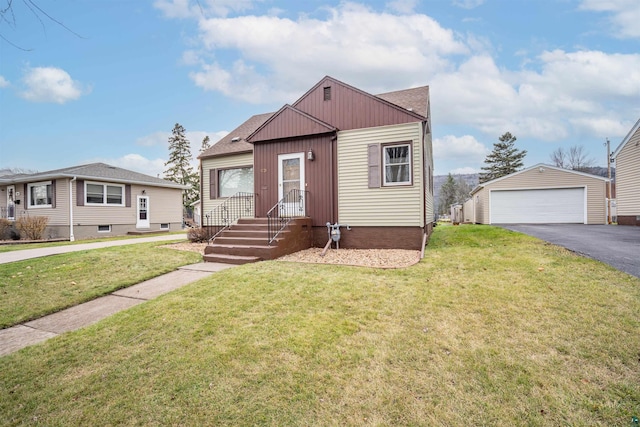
x,y
540,194
94,200
350,157
627,158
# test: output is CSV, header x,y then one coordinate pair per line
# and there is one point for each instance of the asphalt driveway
x,y
616,245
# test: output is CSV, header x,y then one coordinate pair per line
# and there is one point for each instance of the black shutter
x,y
25,197
53,193
127,195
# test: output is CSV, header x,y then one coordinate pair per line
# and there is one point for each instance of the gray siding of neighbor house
x,y
628,181
165,207
551,178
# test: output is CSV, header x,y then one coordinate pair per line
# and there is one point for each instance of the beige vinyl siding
x,y
58,215
428,167
165,206
359,205
628,177
231,161
467,211
549,178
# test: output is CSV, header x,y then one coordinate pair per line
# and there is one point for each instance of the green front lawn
x,y
491,328
33,288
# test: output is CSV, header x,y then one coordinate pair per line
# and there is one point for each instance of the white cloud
x,y
467,4
51,84
188,8
353,43
403,6
161,138
4,82
465,149
464,171
138,163
624,15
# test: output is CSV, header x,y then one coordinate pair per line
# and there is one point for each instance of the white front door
x,y
291,177
143,212
11,205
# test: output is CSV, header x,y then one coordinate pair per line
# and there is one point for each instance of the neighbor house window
x,y
396,161
232,181
40,195
104,194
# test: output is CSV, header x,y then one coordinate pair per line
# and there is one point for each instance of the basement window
x,y
164,226
104,229
327,93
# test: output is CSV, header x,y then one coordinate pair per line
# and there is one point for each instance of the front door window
x,y
143,212
291,184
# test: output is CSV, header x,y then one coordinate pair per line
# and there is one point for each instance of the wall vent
x,y
235,139
327,93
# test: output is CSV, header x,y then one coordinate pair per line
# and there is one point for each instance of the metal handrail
x,y
224,215
292,205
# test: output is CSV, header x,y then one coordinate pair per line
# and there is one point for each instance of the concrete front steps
x,y
246,241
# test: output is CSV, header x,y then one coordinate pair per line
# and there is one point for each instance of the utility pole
x,y
609,183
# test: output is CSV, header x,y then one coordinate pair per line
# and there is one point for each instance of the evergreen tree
x,y
205,144
503,160
179,166
453,191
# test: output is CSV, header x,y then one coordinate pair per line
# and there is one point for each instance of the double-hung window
x,y
104,194
396,162
40,195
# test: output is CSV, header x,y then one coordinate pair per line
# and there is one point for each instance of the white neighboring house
x,y
93,200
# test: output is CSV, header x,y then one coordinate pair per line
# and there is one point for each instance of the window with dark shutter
x,y
373,153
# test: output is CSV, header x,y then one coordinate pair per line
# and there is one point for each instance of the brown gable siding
x,y
351,108
320,175
287,123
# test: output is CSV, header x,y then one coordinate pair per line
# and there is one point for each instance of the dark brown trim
x,y
127,196
80,192
53,193
383,171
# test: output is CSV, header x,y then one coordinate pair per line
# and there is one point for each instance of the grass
x,y
491,328
10,247
33,288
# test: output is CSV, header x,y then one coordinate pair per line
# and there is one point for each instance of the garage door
x,y
543,206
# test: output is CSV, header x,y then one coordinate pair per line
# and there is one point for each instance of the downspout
x,y
71,236
334,191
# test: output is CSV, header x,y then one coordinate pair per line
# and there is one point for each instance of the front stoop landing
x,y
246,241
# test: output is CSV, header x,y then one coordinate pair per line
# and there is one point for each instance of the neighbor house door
x,y
11,205
143,212
291,177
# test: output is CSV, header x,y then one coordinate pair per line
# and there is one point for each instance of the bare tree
x,y
576,158
8,17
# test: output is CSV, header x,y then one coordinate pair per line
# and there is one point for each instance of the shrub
x,y
32,227
198,235
5,229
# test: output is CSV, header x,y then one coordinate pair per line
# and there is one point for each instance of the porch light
x,y
310,155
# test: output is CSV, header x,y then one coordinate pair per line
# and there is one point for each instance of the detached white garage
x,y
538,206
541,194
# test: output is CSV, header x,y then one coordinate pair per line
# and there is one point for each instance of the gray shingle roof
x,y
98,171
415,99
227,145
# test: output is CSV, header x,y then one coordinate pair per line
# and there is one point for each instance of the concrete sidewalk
x,y
21,255
39,330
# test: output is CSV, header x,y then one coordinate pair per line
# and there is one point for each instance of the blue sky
x,y
553,73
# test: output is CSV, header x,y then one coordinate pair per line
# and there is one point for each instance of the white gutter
x,y
71,236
